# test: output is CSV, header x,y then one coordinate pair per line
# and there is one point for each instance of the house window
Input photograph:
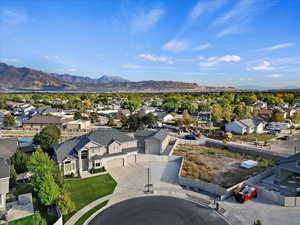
x,y
98,164
67,162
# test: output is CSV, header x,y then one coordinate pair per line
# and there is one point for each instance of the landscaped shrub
x,y
98,170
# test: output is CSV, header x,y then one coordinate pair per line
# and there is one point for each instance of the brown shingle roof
x,y
46,120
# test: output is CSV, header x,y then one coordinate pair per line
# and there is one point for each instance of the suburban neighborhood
x,y
184,146
149,112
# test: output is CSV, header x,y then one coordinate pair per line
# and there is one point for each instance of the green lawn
x,y
24,221
85,191
90,213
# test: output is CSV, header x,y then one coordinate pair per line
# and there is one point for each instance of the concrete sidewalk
x,y
85,209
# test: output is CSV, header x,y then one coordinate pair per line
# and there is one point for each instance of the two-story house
x,y
99,148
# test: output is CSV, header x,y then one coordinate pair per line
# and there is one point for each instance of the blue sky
x,y
210,42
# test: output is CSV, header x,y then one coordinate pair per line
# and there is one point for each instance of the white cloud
x,y
239,17
275,75
144,21
279,46
71,70
131,66
202,7
194,73
229,30
176,45
202,47
265,65
55,59
10,60
154,58
12,17
226,58
200,57
215,60
208,64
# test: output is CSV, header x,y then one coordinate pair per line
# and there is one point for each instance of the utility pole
x,y
148,180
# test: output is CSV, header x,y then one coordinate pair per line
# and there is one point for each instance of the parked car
x,y
190,137
283,138
244,193
274,132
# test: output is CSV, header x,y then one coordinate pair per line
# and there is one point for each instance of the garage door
x,y
114,163
131,159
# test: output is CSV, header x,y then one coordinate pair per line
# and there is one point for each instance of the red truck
x,y
244,193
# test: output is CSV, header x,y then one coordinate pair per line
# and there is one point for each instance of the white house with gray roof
x,y
99,148
246,126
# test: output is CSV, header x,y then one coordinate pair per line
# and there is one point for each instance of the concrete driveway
x,y
133,179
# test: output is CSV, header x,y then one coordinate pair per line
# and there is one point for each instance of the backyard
x,y
217,166
28,188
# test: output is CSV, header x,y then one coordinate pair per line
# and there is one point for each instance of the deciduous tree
x,y
47,138
9,120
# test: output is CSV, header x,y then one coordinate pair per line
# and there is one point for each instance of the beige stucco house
x,y
104,147
153,141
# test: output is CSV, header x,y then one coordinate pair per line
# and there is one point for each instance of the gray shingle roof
x,y
144,133
8,147
248,122
4,168
160,135
101,136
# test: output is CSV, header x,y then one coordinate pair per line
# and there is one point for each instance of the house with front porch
x,y
103,147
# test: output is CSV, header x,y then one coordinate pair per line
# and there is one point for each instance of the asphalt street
x,y
288,147
157,210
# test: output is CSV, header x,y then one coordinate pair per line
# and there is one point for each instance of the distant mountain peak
x,y
23,78
111,79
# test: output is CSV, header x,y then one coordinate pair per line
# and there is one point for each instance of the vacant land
x,y
217,166
253,137
85,191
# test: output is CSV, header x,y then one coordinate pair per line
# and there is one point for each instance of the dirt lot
x,y
217,166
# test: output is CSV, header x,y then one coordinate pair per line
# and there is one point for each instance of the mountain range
x,y
26,79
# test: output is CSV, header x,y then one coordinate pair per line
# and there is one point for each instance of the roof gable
x,y
8,147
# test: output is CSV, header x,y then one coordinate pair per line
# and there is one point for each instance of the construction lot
x,y
217,166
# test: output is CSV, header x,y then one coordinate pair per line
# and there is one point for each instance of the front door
x,y
84,160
